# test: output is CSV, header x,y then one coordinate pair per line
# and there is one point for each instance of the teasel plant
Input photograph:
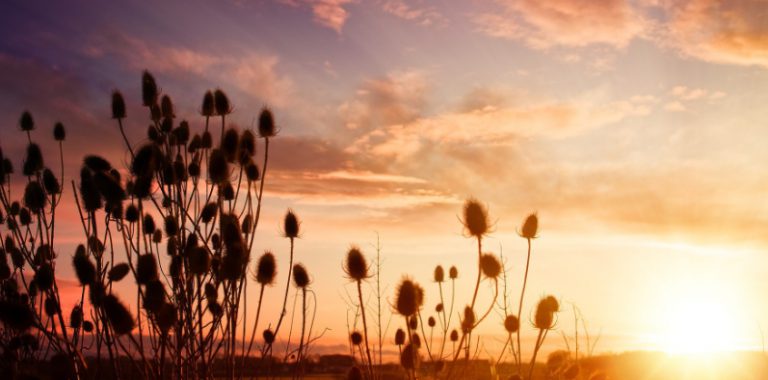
x,y
356,269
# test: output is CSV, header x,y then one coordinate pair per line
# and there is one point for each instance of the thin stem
x,y
520,306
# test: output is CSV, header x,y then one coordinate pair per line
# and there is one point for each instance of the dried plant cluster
x,y
179,222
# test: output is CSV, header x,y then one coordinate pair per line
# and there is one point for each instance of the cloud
x,y
330,13
397,98
422,15
722,31
544,24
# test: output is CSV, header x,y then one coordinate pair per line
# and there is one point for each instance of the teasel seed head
x,y
511,324
118,315
439,308
90,194
171,226
166,107
454,335
50,182
530,227
544,318
356,338
154,295
300,276
291,225
226,191
96,293
208,212
59,132
407,303
247,224
118,105
431,321
453,273
210,292
269,336
490,265
206,142
413,322
148,224
132,213
88,326
468,323
146,161
146,269
25,218
247,147
76,317
266,123
199,261
26,123
416,340
221,103
44,276
51,306
208,109
399,337
229,144
475,218
252,172
34,160
215,308
84,268
409,357
16,314
356,266
439,275
166,316
148,89
182,133
218,167
266,269
118,272
97,163
34,196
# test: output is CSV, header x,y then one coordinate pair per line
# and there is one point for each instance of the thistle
x,y
118,105
221,103
356,338
26,123
266,270
266,123
475,218
59,133
148,89
146,269
34,196
406,304
300,276
511,324
291,225
34,160
453,273
84,268
207,109
530,227
490,266
356,267
439,275
118,272
118,315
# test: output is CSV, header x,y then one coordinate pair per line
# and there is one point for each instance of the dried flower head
x,y
431,322
399,337
34,196
266,123
118,315
468,323
199,260
409,357
146,269
545,311
269,336
208,212
59,133
407,298
530,227
300,276
166,107
154,295
118,272
413,322
166,316
221,102
475,218
218,167
356,338
84,268
148,89
266,269
76,317
356,267
453,273
490,265
229,144
148,224
26,123
118,105
51,306
439,275
50,182
34,160
511,324
439,308
291,225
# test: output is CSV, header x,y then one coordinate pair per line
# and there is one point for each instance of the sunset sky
x,y
637,130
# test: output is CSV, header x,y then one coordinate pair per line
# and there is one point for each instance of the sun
x,y
699,321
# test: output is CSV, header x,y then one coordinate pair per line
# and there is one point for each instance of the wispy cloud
x,y
415,11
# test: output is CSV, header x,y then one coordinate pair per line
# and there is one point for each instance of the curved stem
x,y
520,307
365,327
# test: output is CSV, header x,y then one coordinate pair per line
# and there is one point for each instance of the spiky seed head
x,y
59,132
266,269
206,142
399,337
300,276
84,268
171,226
453,273
44,276
132,213
146,269
406,304
490,265
475,218
431,321
530,227
247,224
207,109
166,107
154,295
416,340
76,317
34,196
25,218
291,225
269,336
356,338
544,318
194,169
34,160
356,267
227,191
166,317
118,272
439,308
511,324
215,308
468,323
247,147
221,103
148,224
252,172
146,161
229,144
51,306
218,167
413,322
208,212
439,275
266,123
16,314
210,292
148,89
118,105
50,182
409,357
88,326
355,373
182,133
26,123
90,194
454,335
109,188
118,315
97,163
199,261
96,293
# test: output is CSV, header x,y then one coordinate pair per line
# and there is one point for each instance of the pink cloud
x,y
422,15
543,24
330,13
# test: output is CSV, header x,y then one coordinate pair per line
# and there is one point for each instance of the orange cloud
x,y
330,13
543,24
425,16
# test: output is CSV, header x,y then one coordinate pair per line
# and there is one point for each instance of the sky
x,y
635,129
